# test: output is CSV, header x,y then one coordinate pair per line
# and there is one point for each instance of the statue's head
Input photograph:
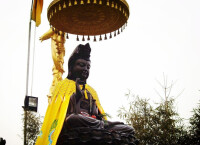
x,y
79,63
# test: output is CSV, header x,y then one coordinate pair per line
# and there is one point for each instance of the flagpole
x,y
29,43
27,73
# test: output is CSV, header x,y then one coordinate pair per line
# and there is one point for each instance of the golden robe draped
x,y
57,109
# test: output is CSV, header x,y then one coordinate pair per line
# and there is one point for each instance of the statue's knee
x,y
71,118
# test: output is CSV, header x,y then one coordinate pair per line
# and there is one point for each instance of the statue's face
x,y
81,69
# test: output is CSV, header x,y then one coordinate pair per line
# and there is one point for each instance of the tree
x,y
195,126
2,141
139,115
32,128
168,125
160,125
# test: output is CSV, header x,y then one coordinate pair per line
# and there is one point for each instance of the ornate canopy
x,y
88,17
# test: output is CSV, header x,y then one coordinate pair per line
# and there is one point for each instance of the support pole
x,y
28,58
27,76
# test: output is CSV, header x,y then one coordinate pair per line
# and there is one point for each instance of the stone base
x,y
90,136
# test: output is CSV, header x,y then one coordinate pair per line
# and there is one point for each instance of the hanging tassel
x,y
113,5
115,33
64,5
100,38
100,2
120,8
88,1
108,3
70,3
82,2
55,10
75,2
59,7
105,37
121,29
110,35
95,39
118,32
83,39
116,6
77,38
67,36
95,1
88,38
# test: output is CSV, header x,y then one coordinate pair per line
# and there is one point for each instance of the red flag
x,y
36,11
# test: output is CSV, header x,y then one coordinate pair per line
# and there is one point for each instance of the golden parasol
x,y
88,17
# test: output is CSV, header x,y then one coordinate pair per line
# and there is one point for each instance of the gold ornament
x,y
58,53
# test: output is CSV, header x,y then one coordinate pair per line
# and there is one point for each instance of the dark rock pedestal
x,y
91,136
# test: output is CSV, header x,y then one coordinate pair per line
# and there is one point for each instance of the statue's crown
x,y
80,52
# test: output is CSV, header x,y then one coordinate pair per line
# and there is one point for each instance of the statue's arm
x,y
79,92
47,35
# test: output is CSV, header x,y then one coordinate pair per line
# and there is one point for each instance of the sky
x,y
162,37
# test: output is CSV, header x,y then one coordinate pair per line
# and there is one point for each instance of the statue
x,y
58,53
75,115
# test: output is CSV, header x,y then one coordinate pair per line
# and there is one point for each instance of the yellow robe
x,y
57,109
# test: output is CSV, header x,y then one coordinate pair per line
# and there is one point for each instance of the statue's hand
x,y
41,38
110,123
47,35
79,92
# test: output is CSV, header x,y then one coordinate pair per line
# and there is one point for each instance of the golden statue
x,y
58,53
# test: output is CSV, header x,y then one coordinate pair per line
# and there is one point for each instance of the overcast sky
x,y
162,36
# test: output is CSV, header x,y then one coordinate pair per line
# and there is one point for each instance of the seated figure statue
x,y
75,115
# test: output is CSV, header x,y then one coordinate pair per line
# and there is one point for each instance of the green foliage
x,y
195,126
33,127
168,124
139,115
160,125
